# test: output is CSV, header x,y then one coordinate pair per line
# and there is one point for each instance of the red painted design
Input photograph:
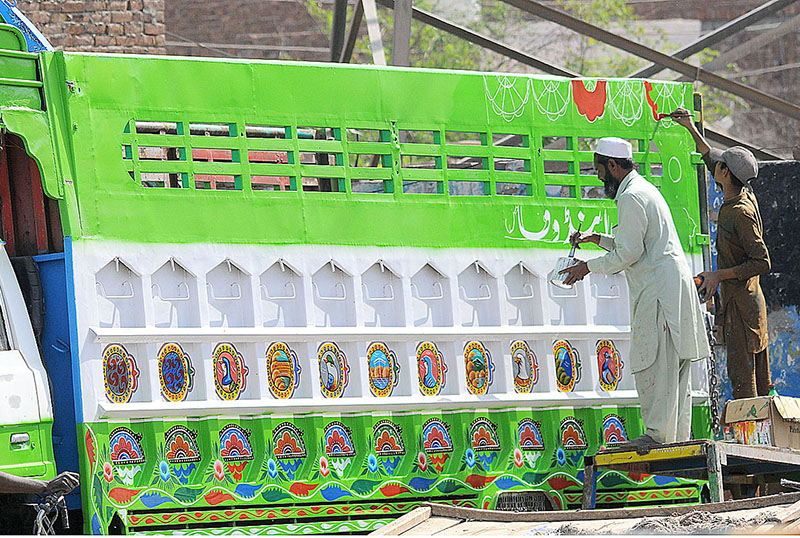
x,y
436,437
439,460
479,481
336,441
123,495
482,438
571,437
648,87
390,490
287,445
180,448
123,446
592,104
216,496
90,448
386,442
560,482
301,489
237,469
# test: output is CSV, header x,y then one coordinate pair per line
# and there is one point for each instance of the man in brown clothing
x,y
741,257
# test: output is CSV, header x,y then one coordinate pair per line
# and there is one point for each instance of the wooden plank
x,y
715,474
401,36
663,452
432,525
459,512
404,523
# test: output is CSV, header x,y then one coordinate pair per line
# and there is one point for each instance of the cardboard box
x,y
765,421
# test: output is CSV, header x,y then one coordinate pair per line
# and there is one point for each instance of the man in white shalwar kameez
x,y
667,328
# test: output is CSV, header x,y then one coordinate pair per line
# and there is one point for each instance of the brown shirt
x,y
740,246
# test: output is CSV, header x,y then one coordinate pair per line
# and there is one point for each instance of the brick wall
x,y
263,29
131,26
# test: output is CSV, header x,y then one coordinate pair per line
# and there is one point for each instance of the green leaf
x,y
449,486
97,491
185,494
274,495
364,486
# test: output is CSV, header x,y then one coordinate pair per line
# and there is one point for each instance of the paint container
x,y
561,264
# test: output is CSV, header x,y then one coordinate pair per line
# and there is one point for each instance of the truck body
x,y
292,297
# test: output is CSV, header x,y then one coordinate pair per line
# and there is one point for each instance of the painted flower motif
x,y
531,458
108,472
372,463
182,472
518,461
470,456
571,437
323,466
481,438
219,470
386,442
163,470
422,461
272,468
337,443
179,448
286,445
123,449
561,457
233,447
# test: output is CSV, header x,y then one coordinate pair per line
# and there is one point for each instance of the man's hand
x,y
63,483
708,288
576,272
578,237
682,117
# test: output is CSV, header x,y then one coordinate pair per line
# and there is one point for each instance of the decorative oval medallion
x,y
334,371
125,447
230,372
480,369
525,367
609,364
120,374
568,367
175,372
383,369
283,370
431,368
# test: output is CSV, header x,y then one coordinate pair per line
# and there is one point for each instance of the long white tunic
x,y
646,246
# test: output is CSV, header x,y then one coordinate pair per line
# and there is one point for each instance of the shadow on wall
x,y
777,188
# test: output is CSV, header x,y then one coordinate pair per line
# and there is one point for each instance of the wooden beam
x,y
483,41
352,34
460,512
723,32
338,29
401,35
693,72
405,522
753,45
374,31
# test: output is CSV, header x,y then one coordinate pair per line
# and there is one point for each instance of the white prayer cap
x,y
614,147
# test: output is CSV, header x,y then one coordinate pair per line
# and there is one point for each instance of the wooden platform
x,y
431,519
719,462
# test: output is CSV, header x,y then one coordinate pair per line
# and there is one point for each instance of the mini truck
x,y
304,298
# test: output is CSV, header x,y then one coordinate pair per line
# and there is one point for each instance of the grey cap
x,y
740,161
